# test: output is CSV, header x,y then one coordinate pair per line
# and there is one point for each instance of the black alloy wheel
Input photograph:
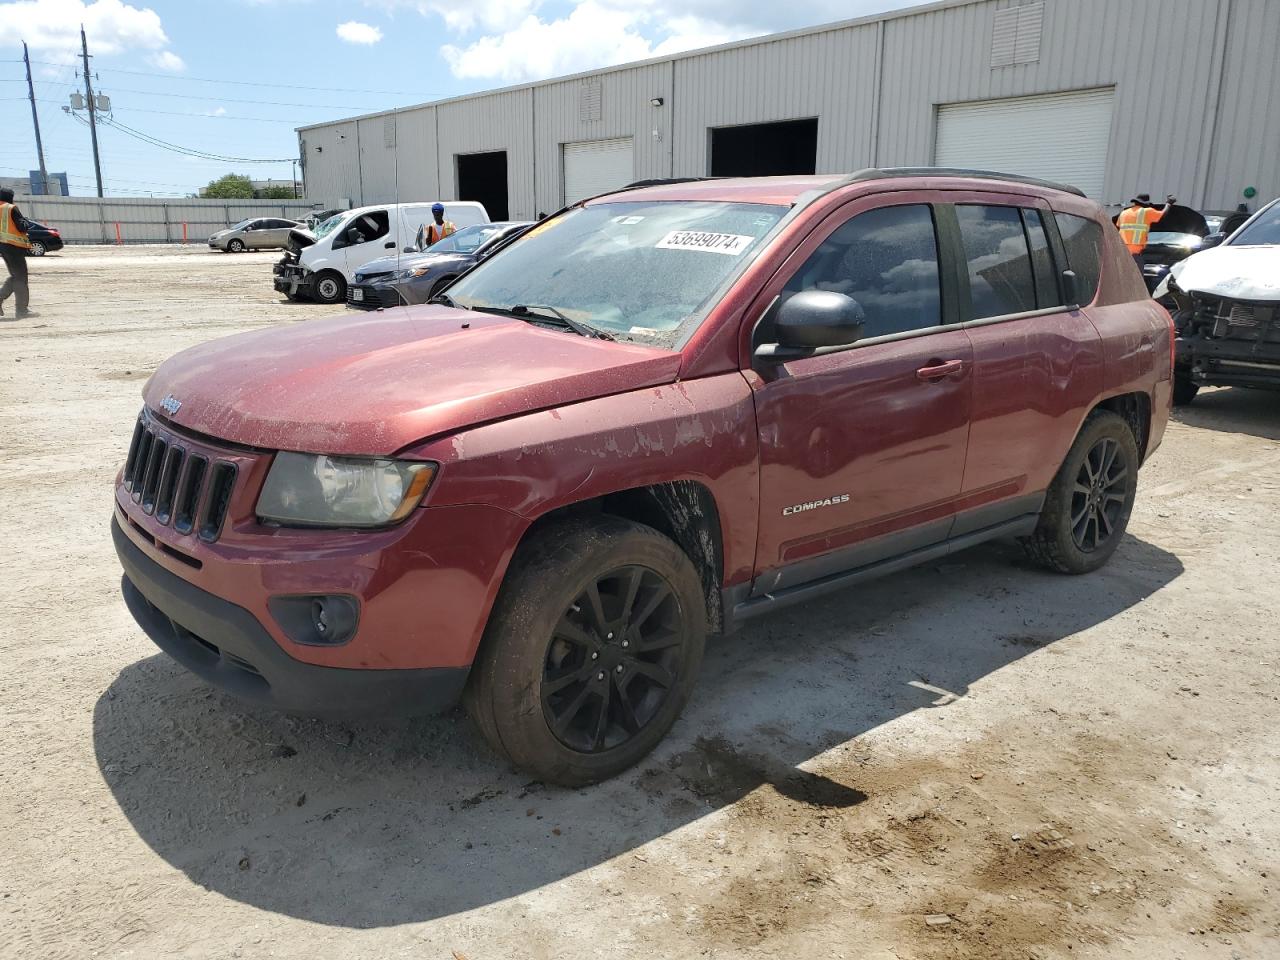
x,y
613,660
1099,494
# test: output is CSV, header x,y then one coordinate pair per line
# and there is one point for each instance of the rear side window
x,y
1046,276
887,260
999,263
1082,239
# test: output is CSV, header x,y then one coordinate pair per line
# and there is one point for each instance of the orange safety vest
x,y
9,230
1134,224
436,233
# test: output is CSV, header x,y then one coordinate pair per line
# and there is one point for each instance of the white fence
x,y
146,220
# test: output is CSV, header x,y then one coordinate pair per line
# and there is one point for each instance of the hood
x,y
1239,273
375,384
405,261
300,237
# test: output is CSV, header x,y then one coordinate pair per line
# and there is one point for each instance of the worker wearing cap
x,y
1135,222
13,248
441,227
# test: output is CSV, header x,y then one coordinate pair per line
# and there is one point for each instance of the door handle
x,y
389,245
939,370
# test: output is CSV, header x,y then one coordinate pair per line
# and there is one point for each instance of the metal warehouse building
x,y
1115,96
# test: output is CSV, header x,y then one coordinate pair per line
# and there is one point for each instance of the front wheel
x,y
330,287
38,248
236,246
591,650
1086,510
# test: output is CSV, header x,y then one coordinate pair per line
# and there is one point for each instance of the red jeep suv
x,y
659,414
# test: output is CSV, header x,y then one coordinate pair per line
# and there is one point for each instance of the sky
x,y
233,78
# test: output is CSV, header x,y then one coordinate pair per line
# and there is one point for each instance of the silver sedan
x,y
258,233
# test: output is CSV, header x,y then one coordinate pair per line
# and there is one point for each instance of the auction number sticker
x,y
731,243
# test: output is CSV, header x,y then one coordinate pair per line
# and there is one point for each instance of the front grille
x,y
1237,320
176,485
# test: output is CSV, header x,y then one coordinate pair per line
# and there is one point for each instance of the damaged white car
x,y
1228,310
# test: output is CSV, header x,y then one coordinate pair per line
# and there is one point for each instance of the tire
x,y
38,248
236,245
330,287
549,669
439,285
1086,510
1184,389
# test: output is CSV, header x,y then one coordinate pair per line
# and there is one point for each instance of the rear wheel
x,y
236,246
1184,389
330,287
1086,510
591,650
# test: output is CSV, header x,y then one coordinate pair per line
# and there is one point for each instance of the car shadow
x,y
368,825
1234,410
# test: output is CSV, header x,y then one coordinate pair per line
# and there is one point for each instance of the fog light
x,y
317,619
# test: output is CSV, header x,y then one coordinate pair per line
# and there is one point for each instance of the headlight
x,y
411,273
308,490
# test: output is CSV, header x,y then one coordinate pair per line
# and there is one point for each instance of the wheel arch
x,y
1135,409
683,510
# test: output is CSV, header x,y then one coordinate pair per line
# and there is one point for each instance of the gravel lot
x,y
973,760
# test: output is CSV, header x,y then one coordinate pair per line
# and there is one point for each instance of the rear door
x,y
863,450
1036,364
275,233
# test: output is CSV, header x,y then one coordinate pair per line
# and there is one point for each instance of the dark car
x,y
416,278
44,239
1176,236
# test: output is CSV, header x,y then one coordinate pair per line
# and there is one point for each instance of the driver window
x,y
887,260
366,227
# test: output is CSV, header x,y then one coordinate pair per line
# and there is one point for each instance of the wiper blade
x,y
577,326
445,300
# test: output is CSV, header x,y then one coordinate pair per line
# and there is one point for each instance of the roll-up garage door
x,y
597,166
1059,136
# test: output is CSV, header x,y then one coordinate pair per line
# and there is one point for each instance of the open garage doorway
x,y
482,177
765,149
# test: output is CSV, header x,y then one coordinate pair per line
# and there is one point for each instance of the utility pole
x,y
93,110
35,120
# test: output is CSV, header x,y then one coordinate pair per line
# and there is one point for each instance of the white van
x,y
319,265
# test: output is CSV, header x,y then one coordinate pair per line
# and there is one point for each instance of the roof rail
x,y
661,182
886,173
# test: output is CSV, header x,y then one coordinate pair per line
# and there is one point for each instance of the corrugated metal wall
x,y
828,75
331,162
1193,115
625,111
146,220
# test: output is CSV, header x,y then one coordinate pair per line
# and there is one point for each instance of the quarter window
x,y
999,263
1082,240
887,260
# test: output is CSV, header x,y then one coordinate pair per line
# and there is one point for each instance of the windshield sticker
x,y
627,221
731,243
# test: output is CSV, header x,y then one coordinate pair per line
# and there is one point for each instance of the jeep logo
x,y
815,504
170,405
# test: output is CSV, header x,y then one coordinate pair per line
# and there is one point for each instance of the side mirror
x,y
812,319
1212,240
354,237
409,250
1071,288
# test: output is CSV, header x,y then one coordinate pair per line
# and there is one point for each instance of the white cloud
x,y
462,16
215,112
600,33
353,31
167,60
53,26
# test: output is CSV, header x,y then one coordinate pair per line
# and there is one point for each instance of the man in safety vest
x,y
1135,222
13,248
441,228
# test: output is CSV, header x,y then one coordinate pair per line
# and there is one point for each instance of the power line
x,y
188,151
195,96
223,80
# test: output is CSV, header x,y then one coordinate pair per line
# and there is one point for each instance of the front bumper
x,y
372,296
1229,363
225,645
291,279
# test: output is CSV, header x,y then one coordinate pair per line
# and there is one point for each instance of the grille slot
x,y
184,518
131,464
140,464
151,477
168,485
221,481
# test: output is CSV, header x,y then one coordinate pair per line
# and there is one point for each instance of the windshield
x,y
635,270
328,226
465,240
241,225
1264,230
1174,239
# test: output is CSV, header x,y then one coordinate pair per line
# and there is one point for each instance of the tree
x,y
276,193
233,186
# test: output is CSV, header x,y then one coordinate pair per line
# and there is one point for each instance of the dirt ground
x,y
973,760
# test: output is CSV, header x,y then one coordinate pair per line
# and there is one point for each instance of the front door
x,y
863,450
